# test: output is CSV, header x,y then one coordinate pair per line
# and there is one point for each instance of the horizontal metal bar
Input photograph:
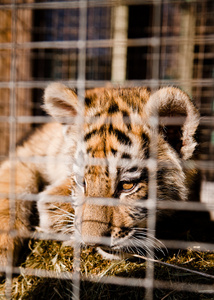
x,y
139,282
161,204
190,164
39,273
204,121
68,239
123,281
207,82
195,246
38,234
91,3
106,43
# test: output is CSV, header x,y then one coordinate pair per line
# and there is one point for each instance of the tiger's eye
x,y
127,186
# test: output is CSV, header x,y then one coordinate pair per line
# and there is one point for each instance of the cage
x,y
87,44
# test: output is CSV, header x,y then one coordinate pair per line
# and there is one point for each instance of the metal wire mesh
x,y
87,44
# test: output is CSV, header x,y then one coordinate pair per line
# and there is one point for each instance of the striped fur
x,y
100,151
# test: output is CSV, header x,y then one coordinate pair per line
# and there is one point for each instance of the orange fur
x,y
55,162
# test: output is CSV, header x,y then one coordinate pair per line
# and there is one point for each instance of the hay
x,y
52,256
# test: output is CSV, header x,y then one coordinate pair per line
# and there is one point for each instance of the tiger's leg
x,y
56,212
15,218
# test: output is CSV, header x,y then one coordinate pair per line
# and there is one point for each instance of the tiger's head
x,y
112,140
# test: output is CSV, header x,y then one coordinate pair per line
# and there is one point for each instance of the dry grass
x,y
53,256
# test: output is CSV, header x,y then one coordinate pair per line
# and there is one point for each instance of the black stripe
x,y
121,136
126,155
113,151
89,150
126,119
107,171
88,102
145,138
118,171
144,176
99,131
90,134
113,108
145,144
102,129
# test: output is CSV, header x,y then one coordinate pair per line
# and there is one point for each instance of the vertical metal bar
x,y
152,166
186,51
12,147
201,52
119,53
81,96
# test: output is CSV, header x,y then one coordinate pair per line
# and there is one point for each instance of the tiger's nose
x,y
94,231
95,221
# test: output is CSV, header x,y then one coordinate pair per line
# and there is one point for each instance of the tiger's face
x,y
111,151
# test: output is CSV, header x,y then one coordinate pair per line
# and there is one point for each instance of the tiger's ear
x,y
172,102
60,102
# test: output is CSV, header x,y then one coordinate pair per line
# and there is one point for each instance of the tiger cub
x,y
98,150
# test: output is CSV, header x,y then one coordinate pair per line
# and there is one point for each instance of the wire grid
x,y
84,50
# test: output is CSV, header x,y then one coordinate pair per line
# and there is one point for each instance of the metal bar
x,y
132,282
119,53
81,76
107,43
205,82
205,121
91,3
12,149
153,148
